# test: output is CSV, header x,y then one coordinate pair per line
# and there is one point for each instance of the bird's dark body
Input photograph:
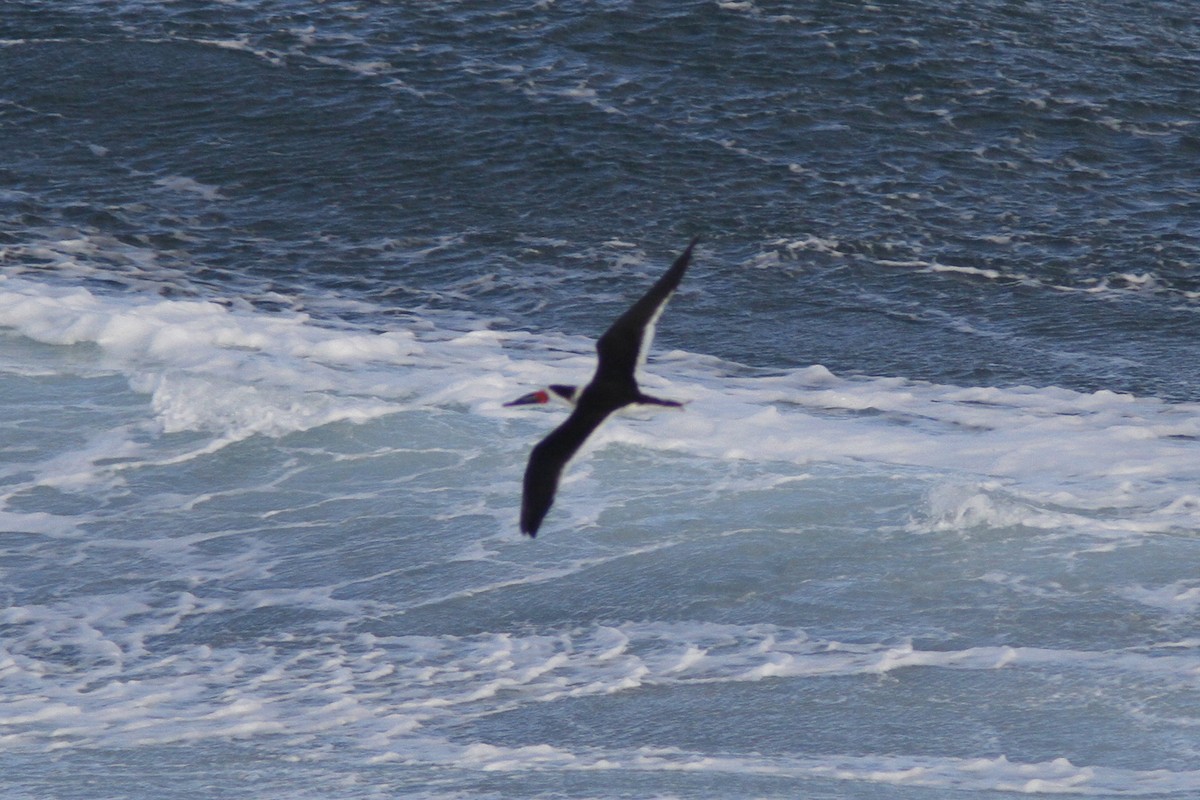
x,y
613,387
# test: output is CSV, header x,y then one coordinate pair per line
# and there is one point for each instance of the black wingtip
x,y
529,525
686,256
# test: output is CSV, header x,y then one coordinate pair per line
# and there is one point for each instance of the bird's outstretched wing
x,y
547,461
624,345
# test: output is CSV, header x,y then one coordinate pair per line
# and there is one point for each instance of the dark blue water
x,y
982,218
1048,146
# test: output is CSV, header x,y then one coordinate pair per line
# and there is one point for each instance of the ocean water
x,y
927,527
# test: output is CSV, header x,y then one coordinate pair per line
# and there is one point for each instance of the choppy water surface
x,y
926,528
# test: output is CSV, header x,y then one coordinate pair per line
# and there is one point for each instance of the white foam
x,y
207,367
996,774
388,696
177,183
1042,457
1180,598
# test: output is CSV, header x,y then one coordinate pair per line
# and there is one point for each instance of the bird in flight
x,y
620,351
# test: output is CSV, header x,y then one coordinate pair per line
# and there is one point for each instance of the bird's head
x,y
561,391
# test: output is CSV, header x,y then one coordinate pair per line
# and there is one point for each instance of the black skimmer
x,y
620,351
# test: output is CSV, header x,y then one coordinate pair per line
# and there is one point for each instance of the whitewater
x,y
232,528
924,529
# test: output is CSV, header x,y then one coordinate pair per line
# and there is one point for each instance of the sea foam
x,y
1046,457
